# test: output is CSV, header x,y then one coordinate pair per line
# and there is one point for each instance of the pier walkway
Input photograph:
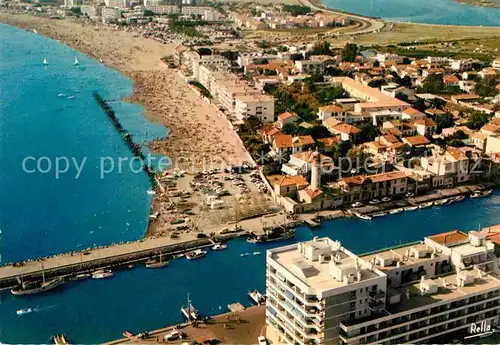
x,y
97,258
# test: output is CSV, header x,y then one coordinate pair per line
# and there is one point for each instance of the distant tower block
x,y
315,171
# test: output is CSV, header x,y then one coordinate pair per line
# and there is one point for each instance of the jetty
x,y
70,264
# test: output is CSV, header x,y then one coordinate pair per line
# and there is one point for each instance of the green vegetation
x,y
486,87
349,52
187,28
444,121
321,48
148,13
297,10
202,89
476,120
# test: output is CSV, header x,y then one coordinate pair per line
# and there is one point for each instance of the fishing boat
x,y
257,297
256,253
411,208
24,311
151,192
62,95
457,199
29,288
127,334
190,311
34,30
71,97
380,214
100,60
480,194
271,235
219,246
426,205
396,211
101,274
363,216
76,63
45,61
196,254
441,202
153,263
60,339
81,276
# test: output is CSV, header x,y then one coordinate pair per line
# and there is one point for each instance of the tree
x,y
289,128
434,84
368,132
444,121
376,83
230,55
477,120
296,10
437,103
272,168
76,10
486,87
148,13
406,61
296,57
252,123
376,63
349,52
319,132
204,51
321,48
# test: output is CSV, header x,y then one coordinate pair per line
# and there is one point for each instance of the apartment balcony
x,y
376,305
377,294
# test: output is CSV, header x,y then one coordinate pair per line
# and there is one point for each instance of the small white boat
x,y
257,297
411,208
82,276
374,202
480,194
24,311
357,204
457,199
256,253
196,254
34,30
380,214
426,205
45,62
71,97
76,63
363,216
396,211
219,246
62,95
244,254
100,60
101,274
151,192
386,199
441,202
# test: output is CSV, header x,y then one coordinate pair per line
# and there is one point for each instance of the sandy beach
x,y
199,135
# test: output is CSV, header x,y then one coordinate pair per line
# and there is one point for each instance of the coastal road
x,y
368,25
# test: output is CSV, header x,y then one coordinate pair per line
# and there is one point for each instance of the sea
x,y
421,11
41,214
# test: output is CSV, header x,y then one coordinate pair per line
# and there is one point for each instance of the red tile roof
x,y
416,140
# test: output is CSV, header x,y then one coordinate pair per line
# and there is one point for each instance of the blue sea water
x,y
421,11
40,215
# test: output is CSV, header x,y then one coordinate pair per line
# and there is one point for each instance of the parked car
x,y
174,335
386,199
357,204
374,202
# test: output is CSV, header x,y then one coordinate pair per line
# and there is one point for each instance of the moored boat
x,y
60,339
480,194
76,63
363,216
425,205
189,311
127,334
396,211
411,208
457,199
219,246
81,276
441,202
272,235
32,288
101,274
379,214
196,254
257,297
154,263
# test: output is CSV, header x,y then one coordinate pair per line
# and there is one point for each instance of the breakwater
x,y
68,265
128,138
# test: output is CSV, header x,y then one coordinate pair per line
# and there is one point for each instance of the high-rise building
x,y
318,292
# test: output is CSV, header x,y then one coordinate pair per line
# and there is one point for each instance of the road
x,y
368,25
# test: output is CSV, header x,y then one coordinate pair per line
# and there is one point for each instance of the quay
x,y
70,264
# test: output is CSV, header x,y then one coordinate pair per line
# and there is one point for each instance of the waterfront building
x,y
321,293
161,8
124,4
91,11
111,14
72,3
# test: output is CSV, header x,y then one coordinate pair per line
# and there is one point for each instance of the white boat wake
x,y
25,311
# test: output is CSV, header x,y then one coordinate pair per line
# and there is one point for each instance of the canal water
x,y
40,215
142,299
421,11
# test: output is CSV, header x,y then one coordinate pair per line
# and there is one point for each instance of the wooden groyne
x,y
127,137
113,256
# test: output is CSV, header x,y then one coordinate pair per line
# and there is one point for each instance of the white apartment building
x,y
310,66
261,106
72,3
111,14
162,9
117,3
194,61
91,11
496,63
318,292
